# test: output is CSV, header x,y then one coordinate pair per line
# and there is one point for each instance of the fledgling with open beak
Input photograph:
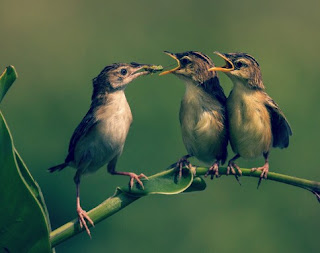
x,y
202,111
256,122
100,137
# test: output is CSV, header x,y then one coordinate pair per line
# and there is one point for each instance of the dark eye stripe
x,y
185,61
250,58
202,56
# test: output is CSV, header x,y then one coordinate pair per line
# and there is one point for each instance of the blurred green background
x,y
57,48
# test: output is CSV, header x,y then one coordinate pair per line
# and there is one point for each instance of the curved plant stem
x,y
121,200
97,214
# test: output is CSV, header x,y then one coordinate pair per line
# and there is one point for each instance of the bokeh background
x,y
57,48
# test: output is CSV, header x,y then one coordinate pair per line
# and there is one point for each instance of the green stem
x,y
121,200
99,213
309,185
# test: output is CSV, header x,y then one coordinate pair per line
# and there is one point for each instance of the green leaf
x,y
167,183
7,78
24,223
198,184
33,186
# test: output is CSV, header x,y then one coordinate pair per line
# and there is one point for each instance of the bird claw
x,y
231,167
264,172
134,176
213,171
82,217
183,162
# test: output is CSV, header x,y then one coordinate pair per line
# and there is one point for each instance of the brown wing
x,y
82,129
281,130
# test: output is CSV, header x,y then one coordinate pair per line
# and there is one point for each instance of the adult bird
x,y
202,111
256,122
100,137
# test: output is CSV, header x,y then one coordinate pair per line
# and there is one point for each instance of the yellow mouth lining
x,y
224,68
171,70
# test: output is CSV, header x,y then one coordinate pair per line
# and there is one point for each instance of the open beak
x,y
226,68
172,55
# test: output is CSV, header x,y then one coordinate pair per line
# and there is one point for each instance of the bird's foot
x,y
83,216
136,177
133,176
264,172
232,166
183,162
213,171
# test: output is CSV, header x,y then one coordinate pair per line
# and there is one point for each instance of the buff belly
x,y
202,125
249,124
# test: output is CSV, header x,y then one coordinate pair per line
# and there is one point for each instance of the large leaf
x,y
24,226
33,186
168,182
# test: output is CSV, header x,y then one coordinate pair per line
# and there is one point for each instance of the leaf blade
x,y
166,183
24,223
7,78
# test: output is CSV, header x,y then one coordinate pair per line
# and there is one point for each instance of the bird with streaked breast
x,y
202,111
256,123
100,137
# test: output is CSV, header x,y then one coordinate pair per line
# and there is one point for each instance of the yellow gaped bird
x,y
100,137
256,122
202,111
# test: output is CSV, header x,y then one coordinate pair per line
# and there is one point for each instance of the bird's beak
x,y
172,55
226,68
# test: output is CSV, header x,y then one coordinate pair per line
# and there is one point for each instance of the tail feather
x,y
58,167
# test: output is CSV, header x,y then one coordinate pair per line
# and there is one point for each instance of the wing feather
x,y
82,129
281,130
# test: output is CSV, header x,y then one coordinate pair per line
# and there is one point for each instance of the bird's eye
x,y
240,64
185,61
123,72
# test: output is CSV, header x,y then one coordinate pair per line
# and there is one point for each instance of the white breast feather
x,y
106,139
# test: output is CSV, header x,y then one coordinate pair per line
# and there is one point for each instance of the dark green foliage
x,y
24,223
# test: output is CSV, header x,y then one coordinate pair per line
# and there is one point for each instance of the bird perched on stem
x,y
256,122
99,138
202,111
